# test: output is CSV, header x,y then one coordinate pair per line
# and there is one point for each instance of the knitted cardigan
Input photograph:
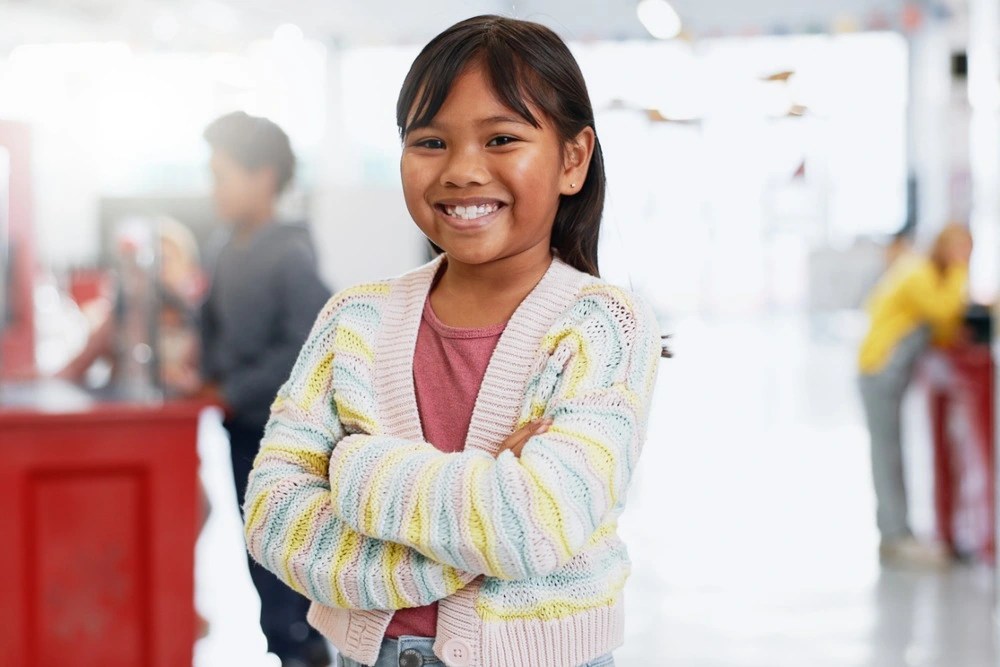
x,y
349,506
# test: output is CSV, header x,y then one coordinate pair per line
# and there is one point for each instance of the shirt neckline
x,y
447,331
498,403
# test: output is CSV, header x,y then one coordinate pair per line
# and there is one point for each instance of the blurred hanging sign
x,y
783,76
651,114
907,17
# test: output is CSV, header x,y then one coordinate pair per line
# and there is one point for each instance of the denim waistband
x,y
422,645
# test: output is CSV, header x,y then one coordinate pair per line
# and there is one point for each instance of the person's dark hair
x,y
254,143
525,63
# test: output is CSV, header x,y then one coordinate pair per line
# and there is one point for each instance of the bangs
x,y
435,70
532,72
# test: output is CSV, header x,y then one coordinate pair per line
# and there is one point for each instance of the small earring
x,y
572,185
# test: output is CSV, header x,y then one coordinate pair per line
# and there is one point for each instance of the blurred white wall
x,y
721,209
364,234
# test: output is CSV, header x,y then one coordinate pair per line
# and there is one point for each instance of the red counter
x,y
99,519
962,427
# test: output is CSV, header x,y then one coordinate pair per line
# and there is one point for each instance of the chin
x,y
465,250
469,255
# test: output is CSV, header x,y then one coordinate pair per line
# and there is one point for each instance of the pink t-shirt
x,y
448,367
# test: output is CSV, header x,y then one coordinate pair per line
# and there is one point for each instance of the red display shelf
x,y
100,516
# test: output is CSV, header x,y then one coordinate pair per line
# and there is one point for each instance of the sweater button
x,y
411,658
456,653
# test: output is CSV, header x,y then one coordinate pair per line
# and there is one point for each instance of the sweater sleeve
x,y
289,524
509,517
940,301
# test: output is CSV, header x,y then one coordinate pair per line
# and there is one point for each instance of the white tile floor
x,y
749,523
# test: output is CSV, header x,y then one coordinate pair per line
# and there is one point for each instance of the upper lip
x,y
469,201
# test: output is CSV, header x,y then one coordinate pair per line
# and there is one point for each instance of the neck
x,y
255,221
489,293
940,264
518,272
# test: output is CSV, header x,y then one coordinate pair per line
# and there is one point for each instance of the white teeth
x,y
471,212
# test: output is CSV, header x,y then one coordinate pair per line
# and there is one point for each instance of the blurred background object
x,y
768,161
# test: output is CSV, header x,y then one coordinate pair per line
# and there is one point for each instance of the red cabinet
x,y
962,428
99,520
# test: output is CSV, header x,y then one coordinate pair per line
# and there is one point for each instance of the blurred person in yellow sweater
x,y
919,302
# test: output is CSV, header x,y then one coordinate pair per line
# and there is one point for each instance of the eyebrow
x,y
503,119
433,125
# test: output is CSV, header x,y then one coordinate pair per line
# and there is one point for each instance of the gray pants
x,y
882,395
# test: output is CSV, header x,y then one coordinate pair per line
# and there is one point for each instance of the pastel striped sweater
x,y
348,505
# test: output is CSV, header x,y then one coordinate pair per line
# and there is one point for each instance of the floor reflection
x,y
749,522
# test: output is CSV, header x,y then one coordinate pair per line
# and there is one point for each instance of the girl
x,y
919,300
444,470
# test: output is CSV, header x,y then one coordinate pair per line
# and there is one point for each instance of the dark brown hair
x,y
526,63
254,143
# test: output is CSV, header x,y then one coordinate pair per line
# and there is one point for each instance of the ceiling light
x,y
659,18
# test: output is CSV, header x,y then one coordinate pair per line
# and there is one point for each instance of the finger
x,y
542,426
513,443
523,434
520,436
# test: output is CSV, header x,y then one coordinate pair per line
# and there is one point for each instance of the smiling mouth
x,y
470,212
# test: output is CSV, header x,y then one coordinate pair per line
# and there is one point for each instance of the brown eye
x,y
502,140
430,143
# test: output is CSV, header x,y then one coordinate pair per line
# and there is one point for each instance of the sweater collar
x,y
500,396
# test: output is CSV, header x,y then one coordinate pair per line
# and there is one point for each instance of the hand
x,y
212,393
183,379
516,441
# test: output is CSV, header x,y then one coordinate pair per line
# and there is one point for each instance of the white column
x,y
984,163
929,152
984,145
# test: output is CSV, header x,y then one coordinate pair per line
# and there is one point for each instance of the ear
x,y
576,161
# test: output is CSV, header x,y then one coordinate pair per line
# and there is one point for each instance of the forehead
x,y
222,161
472,99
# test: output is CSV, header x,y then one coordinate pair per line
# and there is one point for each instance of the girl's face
x,y
483,183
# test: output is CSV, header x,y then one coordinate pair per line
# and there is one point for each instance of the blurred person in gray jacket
x,y
265,294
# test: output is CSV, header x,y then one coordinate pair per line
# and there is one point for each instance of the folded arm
x,y
289,524
511,517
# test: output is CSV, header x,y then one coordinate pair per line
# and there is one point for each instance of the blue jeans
x,y
392,649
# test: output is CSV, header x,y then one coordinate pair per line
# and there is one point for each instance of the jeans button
x,y
411,658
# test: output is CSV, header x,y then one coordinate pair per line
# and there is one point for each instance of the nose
x,y
465,167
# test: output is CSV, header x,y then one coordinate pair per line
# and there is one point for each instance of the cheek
x,y
227,190
414,171
416,177
535,180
